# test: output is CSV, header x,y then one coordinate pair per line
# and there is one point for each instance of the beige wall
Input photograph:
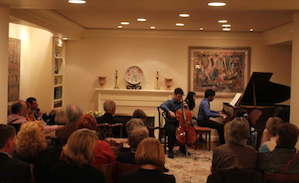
x,y
36,63
101,52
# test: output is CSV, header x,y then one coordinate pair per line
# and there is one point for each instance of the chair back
x,y
162,117
123,168
106,169
255,115
105,130
280,177
235,176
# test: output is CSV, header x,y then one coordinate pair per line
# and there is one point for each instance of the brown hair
x,y
31,139
288,135
132,124
6,132
150,151
272,124
238,131
87,121
137,135
138,113
79,149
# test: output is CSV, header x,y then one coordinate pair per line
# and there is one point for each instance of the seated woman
x,y
284,152
190,100
271,126
236,154
78,154
150,155
31,147
135,137
58,116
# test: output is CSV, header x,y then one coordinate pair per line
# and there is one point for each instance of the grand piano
x,y
260,94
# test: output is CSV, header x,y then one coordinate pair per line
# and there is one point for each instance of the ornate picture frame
x,y
223,69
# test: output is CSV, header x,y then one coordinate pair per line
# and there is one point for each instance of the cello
x,y
185,133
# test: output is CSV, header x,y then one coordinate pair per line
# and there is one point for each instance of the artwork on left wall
x,y
14,58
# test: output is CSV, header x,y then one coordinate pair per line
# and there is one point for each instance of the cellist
x,y
170,107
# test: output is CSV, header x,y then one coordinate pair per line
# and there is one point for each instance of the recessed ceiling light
x,y
64,38
124,23
184,15
216,4
226,25
222,21
179,24
119,26
153,27
141,20
226,29
77,1
251,30
201,28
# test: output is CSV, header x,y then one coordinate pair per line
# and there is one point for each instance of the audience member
x,y
103,154
235,154
79,154
59,116
108,117
31,147
271,126
73,113
284,157
138,113
11,170
135,137
38,114
150,155
18,116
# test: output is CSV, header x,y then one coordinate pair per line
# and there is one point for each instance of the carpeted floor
x,y
192,169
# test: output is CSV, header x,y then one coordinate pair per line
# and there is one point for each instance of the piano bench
x,y
202,130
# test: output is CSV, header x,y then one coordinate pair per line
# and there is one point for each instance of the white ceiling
x,y
261,15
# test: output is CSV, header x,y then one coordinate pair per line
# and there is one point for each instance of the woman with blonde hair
x,y
31,147
78,156
150,155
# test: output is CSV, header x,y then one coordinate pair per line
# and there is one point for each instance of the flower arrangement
x,y
95,114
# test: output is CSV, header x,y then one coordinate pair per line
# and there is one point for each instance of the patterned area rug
x,y
194,169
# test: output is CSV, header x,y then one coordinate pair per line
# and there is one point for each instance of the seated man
x,y
18,116
135,136
11,170
236,154
204,113
38,114
109,108
284,157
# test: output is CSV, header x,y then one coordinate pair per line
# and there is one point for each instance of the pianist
x,y
204,113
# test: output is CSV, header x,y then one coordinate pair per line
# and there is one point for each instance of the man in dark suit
x,y
11,170
108,117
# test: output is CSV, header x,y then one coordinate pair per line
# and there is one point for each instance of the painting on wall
x,y
225,70
14,56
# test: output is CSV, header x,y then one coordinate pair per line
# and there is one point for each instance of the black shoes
x,y
183,150
170,154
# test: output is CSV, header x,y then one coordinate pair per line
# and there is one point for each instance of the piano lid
x,y
267,93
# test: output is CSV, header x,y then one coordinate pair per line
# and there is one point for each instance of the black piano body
x,y
260,94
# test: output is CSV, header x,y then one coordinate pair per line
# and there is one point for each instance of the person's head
x,y
210,94
137,135
243,113
31,139
7,138
73,112
178,94
19,107
138,113
60,116
132,124
272,125
287,135
238,131
150,151
33,102
79,149
283,112
109,106
190,100
87,121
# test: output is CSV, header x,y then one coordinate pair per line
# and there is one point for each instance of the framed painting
x,y
225,70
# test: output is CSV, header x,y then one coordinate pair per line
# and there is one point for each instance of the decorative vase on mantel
x,y
102,81
168,83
